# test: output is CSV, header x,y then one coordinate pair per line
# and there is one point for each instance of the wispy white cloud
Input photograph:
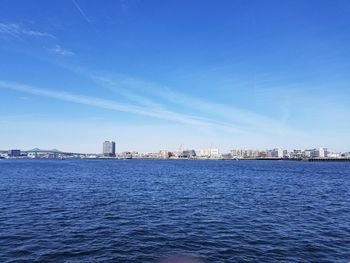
x,y
162,98
126,93
121,107
81,11
150,94
18,31
61,51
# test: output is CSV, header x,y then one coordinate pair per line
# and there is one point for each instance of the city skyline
x,y
109,152
109,149
158,76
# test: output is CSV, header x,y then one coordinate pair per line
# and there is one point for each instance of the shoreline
x,y
194,159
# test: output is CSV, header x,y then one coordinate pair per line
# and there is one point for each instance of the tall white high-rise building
x,y
109,148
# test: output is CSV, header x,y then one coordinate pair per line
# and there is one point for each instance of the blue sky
x,y
159,74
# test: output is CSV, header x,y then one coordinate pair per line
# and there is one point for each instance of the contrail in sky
x,y
81,11
118,106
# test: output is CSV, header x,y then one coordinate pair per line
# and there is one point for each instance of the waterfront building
x,y
226,156
248,153
151,155
269,153
235,153
308,153
14,153
346,155
203,153
333,155
297,154
208,153
329,153
136,154
214,153
262,154
277,153
187,154
164,154
318,153
125,155
109,149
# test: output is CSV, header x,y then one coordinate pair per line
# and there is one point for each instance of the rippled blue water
x,y
139,211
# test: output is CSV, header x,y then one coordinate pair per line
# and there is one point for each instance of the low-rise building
x,y
187,154
317,153
164,154
277,153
